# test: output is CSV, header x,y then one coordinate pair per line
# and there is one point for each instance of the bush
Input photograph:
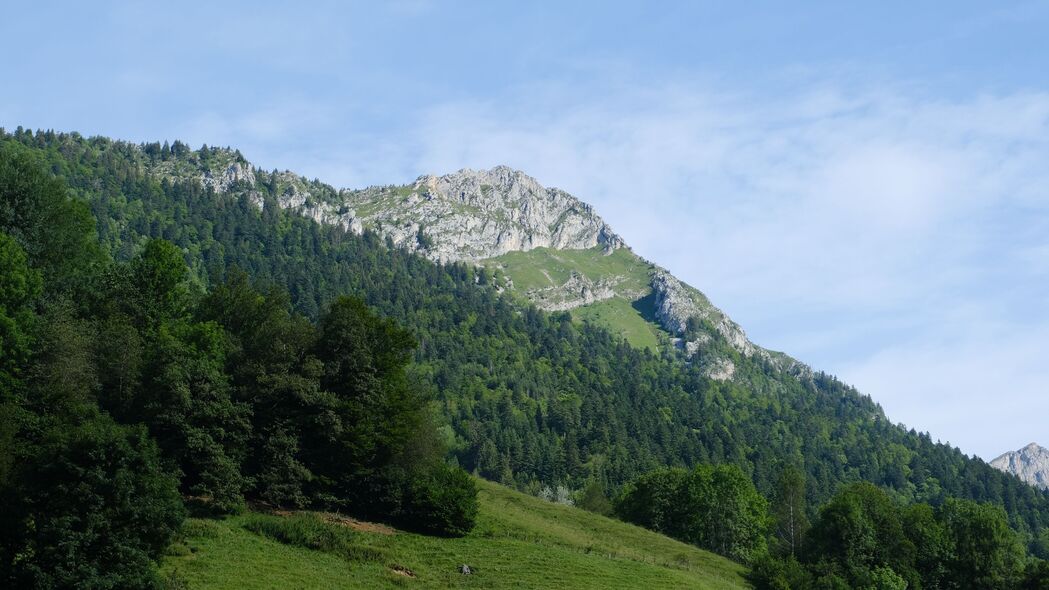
x,y
90,508
444,502
713,507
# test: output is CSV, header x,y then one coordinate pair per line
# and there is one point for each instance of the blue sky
x,y
864,188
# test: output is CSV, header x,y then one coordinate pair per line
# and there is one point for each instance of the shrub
x,y
444,502
91,508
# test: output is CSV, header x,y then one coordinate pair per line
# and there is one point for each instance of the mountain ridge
x,y
480,216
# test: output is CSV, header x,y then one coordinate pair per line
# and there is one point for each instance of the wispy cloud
x,y
893,230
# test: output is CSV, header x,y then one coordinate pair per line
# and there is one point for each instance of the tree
x,y
20,286
788,509
56,232
713,507
856,533
986,552
91,507
932,545
594,499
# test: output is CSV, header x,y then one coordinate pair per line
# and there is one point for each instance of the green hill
x,y
520,542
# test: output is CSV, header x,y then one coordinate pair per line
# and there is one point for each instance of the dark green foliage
x,y
89,507
56,232
373,412
856,533
714,507
125,386
594,498
529,398
20,286
442,501
1036,576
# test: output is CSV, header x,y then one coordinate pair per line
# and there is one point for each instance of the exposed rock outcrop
x,y
478,214
1030,464
577,291
225,178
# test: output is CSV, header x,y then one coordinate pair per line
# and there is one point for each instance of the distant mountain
x,y
1030,464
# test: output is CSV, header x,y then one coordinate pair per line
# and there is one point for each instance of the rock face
x,y
478,214
577,291
1030,464
676,303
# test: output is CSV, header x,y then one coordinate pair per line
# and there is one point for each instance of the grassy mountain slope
x,y
520,542
539,274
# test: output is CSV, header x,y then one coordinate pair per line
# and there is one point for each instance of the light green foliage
x,y
520,542
986,552
863,538
789,509
713,507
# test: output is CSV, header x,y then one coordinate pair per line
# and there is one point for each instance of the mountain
x,y
1030,464
599,392
542,244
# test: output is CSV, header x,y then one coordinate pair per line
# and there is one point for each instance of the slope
x,y
520,542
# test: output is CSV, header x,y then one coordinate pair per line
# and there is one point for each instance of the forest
x,y
235,350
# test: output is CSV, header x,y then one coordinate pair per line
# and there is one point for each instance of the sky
x,y
863,187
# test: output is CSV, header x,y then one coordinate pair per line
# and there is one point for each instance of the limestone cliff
x,y
1030,464
478,214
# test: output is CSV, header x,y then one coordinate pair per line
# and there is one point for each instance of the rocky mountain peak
x,y
478,214
1030,464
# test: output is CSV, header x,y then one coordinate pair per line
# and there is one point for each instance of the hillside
x,y
526,397
520,542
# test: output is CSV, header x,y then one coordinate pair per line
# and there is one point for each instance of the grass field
x,y
622,317
520,542
543,268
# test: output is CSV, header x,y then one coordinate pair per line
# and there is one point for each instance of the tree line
x,y
862,538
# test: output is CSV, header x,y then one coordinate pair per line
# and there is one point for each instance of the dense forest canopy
x,y
128,391
523,397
